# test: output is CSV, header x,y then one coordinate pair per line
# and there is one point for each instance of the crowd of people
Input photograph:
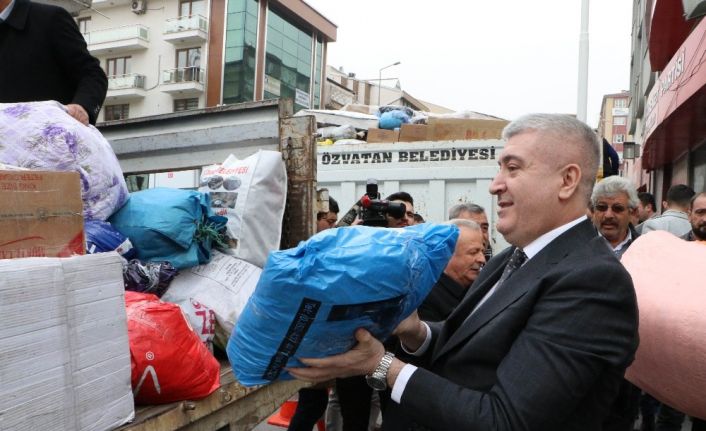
x,y
539,336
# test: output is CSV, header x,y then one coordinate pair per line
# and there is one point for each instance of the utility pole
x,y
582,96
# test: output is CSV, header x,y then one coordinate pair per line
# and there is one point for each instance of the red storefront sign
x,y
672,122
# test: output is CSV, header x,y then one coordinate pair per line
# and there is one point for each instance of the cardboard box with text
x,y
40,214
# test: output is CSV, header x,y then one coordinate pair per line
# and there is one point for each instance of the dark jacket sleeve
x,y
91,82
577,333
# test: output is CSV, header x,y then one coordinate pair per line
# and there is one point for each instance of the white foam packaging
x,y
64,351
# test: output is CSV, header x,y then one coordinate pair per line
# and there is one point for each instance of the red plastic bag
x,y
169,361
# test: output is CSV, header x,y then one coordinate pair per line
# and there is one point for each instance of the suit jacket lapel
x,y
488,277
514,288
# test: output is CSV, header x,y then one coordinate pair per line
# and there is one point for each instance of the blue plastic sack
x,y
392,120
172,225
311,299
101,237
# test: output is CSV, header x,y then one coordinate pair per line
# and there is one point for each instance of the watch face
x,y
377,384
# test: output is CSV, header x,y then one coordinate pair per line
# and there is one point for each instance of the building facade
x,y
668,86
173,55
614,119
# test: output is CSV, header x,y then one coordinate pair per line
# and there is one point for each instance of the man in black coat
x,y
543,337
461,271
43,56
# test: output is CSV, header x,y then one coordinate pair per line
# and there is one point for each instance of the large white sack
x,y
223,285
42,136
251,192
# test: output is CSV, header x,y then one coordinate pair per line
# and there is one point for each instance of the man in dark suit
x,y
43,56
539,345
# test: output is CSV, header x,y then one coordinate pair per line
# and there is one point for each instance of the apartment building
x,y
614,119
173,55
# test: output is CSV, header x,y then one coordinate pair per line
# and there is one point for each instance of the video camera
x,y
373,210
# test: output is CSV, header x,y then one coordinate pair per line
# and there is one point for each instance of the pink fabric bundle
x,y
668,273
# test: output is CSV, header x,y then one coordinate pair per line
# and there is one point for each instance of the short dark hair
x,y
401,196
332,208
647,199
680,194
696,196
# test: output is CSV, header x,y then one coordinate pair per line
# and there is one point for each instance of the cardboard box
x,y
382,135
64,344
414,133
448,129
40,214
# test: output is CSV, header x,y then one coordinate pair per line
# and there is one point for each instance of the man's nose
x,y
497,185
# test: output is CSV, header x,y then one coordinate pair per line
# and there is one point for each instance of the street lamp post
x,y
380,78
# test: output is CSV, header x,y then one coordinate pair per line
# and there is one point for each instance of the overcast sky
x,y
499,57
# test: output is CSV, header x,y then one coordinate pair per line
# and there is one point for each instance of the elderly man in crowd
x,y
476,213
543,337
613,202
461,271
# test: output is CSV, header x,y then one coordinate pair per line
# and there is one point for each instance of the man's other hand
x,y
360,360
78,113
411,332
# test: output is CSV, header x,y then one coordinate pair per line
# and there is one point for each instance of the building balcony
x,y
126,87
183,81
187,30
117,40
100,4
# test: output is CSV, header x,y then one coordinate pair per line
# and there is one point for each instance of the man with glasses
x,y
613,202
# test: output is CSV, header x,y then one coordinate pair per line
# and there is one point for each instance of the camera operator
x,y
408,219
354,395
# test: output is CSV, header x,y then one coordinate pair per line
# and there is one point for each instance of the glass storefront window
x,y
241,40
288,61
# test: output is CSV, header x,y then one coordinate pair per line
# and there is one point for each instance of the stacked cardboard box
x,y
64,352
40,214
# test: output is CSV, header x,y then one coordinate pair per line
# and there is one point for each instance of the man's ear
x,y
570,180
665,205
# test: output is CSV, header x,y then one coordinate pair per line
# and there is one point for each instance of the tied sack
x,y
172,225
42,136
311,299
224,285
169,361
252,194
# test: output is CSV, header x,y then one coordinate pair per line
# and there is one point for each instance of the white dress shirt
x,y
6,12
531,250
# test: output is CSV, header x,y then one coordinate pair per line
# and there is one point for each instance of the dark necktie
x,y
516,260
474,297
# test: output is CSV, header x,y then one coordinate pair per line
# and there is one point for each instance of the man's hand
x,y
78,113
360,360
411,332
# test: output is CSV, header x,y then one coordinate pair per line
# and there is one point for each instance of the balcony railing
x,y
135,31
183,75
124,82
185,23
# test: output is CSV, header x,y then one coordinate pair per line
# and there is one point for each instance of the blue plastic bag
x,y
172,225
101,237
311,299
392,120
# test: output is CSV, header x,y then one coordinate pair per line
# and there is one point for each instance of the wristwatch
x,y
378,379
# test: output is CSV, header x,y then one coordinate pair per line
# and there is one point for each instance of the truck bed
x,y
232,407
